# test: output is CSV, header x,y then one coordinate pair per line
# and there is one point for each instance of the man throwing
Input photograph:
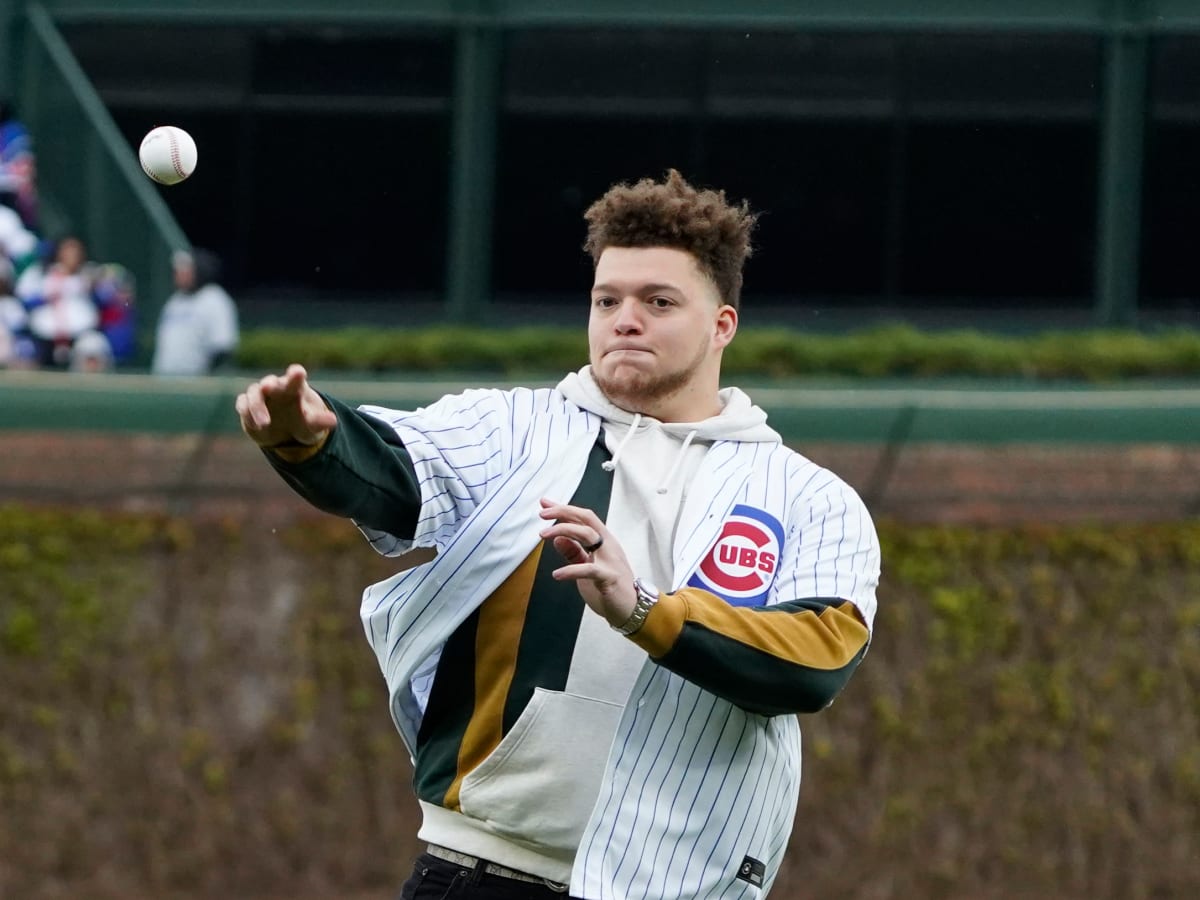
x,y
624,590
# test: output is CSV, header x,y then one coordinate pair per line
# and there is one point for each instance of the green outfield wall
x,y
899,411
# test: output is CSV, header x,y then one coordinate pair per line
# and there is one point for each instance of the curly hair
x,y
674,214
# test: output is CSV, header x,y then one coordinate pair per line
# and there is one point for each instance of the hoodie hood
x,y
739,419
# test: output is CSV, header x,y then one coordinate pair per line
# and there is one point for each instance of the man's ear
x,y
725,325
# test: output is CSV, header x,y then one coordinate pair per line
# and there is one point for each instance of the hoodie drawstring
x,y
611,464
678,464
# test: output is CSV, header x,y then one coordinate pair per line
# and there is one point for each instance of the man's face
x,y
71,254
185,275
656,331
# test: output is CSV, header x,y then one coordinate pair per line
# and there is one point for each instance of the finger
x,y
571,551
256,406
295,378
242,405
269,385
567,513
581,571
584,535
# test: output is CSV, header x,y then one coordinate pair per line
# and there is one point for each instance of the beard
x,y
641,392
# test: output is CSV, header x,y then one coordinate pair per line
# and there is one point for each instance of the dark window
x,y
1031,77
898,167
1000,210
801,75
351,203
596,72
338,63
822,191
167,68
1170,275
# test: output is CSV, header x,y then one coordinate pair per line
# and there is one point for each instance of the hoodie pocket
x,y
539,785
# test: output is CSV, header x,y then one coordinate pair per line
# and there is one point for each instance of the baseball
x,y
168,154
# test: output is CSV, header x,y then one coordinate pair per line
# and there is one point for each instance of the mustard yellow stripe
x,y
828,640
300,454
662,626
497,639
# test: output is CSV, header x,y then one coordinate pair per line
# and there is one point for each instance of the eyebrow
x,y
645,288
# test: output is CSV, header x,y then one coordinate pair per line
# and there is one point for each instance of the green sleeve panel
x,y
363,473
793,657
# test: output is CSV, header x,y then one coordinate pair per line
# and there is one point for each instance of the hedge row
x,y
775,352
188,709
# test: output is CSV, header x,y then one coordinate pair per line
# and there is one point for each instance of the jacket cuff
x,y
663,625
298,454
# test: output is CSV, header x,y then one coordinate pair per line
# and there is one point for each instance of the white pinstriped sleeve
x,y
459,447
832,549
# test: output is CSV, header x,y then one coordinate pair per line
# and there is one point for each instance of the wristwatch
x,y
647,596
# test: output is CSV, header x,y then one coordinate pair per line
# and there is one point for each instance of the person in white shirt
x,y
58,296
198,326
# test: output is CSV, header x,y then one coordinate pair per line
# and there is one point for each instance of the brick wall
x,y
919,483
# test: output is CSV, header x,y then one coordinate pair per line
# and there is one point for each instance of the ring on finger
x,y
592,548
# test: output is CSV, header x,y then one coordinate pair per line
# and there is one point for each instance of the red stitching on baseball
x,y
175,155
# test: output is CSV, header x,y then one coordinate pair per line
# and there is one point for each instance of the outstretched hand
x,y
602,573
278,409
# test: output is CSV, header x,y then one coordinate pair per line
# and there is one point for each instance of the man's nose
x,y
628,318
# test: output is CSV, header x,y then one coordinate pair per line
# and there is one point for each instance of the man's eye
x,y
604,302
661,302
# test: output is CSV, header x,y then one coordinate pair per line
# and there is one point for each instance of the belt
x,y
470,862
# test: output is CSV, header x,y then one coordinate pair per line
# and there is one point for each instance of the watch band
x,y
647,596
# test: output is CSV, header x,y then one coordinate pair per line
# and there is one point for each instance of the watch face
x,y
644,587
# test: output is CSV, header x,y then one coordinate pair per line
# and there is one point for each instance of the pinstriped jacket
x,y
700,787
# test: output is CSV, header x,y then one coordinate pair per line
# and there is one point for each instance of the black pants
x,y
434,878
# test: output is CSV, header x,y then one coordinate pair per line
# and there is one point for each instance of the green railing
x,y
91,183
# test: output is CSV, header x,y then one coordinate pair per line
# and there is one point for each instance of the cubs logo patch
x,y
741,565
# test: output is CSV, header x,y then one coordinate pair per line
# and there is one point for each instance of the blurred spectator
x,y
18,169
59,298
113,292
17,242
16,345
91,352
198,327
